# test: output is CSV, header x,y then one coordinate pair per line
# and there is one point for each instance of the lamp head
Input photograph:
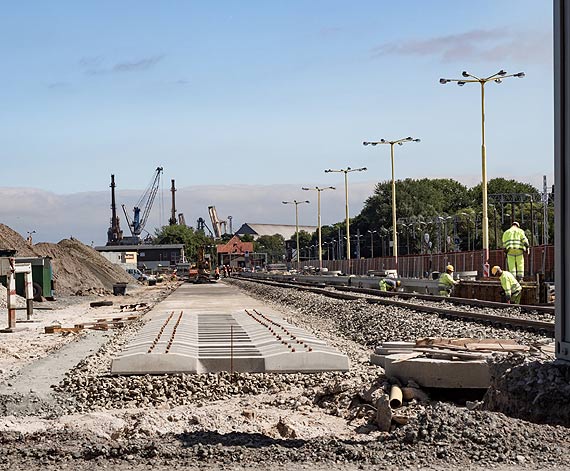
x,y
498,80
444,81
502,72
382,140
520,75
365,143
460,83
465,74
328,170
417,140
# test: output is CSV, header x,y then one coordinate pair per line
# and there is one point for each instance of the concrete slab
x,y
438,373
215,327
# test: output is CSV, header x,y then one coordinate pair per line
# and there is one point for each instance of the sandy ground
x,y
29,343
31,362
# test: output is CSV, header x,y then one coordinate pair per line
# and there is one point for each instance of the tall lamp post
x,y
372,242
469,78
346,171
318,190
296,203
400,142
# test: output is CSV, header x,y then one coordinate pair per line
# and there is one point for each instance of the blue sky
x,y
268,93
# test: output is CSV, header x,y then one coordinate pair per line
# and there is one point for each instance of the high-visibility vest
x,y
445,282
515,240
509,283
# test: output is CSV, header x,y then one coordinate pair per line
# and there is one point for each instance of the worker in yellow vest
x,y
512,290
515,244
446,283
389,284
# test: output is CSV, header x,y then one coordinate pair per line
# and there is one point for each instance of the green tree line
x,y
447,211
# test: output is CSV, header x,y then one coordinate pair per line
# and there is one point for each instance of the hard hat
x,y
494,270
449,268
515,223
398,283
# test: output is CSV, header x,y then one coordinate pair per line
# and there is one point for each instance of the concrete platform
x,y
215,327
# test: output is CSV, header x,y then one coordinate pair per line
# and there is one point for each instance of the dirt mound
x,y
10,239
77,268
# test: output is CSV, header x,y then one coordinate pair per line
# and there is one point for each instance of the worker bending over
x,y
512,290
515,244
389,284
446,282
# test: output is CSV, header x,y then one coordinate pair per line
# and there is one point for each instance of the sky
x,y
245,102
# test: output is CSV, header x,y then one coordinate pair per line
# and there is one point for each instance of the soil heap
x,y
77,268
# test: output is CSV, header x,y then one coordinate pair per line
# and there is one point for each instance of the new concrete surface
x,y
215,327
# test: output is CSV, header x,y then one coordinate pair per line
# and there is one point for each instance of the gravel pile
x,y
530,389
371,324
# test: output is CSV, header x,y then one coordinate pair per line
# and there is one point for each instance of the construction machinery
x,y
142,209
201,225
216,223
201,273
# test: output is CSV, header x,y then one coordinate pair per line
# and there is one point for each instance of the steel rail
x,y
542,327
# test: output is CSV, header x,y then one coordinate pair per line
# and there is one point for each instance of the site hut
x,y
235,253
144,257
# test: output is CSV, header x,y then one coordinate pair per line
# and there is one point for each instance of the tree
x,y
179,234
273,246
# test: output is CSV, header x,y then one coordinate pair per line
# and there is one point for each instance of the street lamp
x,y
296,203
318,190
372,242
346,171
400,142
497,78
468,229
29,239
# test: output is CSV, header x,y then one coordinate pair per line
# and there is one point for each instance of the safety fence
x,y
540,260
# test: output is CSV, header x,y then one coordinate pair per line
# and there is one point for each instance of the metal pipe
x,y
395,397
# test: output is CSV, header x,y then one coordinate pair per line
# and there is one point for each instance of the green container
x,y
42,278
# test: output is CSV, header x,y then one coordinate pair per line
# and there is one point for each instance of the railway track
x,y
395,299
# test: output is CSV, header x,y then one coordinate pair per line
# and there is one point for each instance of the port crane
x,y
142,209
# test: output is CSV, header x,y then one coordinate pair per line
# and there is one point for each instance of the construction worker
x,y
446,283
515,244
389,284
512,290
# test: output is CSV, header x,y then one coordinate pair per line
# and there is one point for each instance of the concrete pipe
x,y
395,397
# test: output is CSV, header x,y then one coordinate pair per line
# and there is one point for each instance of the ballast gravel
x,y
437,436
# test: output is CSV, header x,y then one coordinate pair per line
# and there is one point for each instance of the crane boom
x,y
145,202
216,225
